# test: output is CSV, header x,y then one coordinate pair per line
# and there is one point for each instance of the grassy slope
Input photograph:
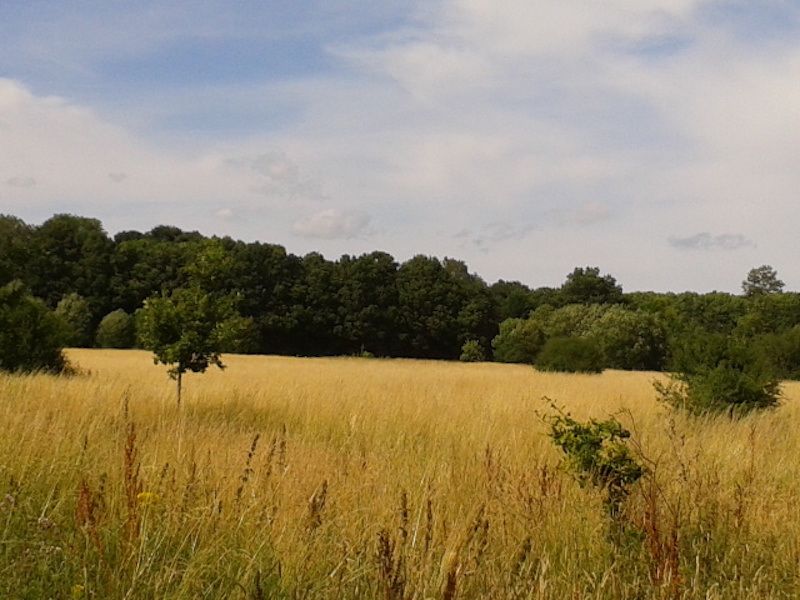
x,y
374,479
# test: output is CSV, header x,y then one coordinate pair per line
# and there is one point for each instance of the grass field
x,y
357,478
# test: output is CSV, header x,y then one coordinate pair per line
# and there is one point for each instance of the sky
x,y
655,139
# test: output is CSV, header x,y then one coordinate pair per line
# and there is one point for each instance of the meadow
x,y
360,478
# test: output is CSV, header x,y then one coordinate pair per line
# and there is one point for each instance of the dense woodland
x,y
371,304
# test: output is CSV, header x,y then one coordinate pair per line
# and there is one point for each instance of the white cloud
x,y
541,130
332,224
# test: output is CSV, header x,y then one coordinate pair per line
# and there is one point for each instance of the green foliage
x,y
626,339
769,313
116,330
188,329
519,341
632,340
145,266
715,312
472,351
781,351
573,320
587,286
72,254
16,250
597,454
762,280
74,310
570,355
721,374
440,306
31,336
424,308
368,301
514,300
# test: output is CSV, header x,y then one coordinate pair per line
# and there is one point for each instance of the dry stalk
x,y
86,514
391,569
316,504
132,483
248,469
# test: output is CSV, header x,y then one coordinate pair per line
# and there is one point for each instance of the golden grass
x,y
340,478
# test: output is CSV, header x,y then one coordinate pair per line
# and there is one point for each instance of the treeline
x,y
372,304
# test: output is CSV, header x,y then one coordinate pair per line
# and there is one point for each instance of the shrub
x,y
116,330
597,454
74,310
571,355
730,376
31,336
632,340
573,320
471,351
519,341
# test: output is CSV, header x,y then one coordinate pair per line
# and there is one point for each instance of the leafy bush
x,y
726,375
573,320
75,312
519,340
597,454
116,330
632,340
471,351
31,336
571,355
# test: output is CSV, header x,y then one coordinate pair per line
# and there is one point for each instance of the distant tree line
x,y
371,304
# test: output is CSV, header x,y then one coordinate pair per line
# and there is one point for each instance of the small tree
x,y
762,280
471,351
597,454
719,374
31,336
116,330
187,330
75,312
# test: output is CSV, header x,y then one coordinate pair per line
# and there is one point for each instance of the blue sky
x,y
653,138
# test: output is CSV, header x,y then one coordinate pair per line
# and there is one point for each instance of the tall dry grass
x,y
353,478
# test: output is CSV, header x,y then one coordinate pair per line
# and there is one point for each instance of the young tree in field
x,y
762,280
188,329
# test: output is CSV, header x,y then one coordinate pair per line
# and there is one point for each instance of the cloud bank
x,y
526,137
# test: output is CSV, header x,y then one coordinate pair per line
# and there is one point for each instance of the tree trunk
x,y
180,375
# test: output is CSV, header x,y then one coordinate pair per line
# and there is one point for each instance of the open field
x,y
354,478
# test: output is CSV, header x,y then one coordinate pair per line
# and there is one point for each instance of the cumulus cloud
x,y
707,241
332,224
